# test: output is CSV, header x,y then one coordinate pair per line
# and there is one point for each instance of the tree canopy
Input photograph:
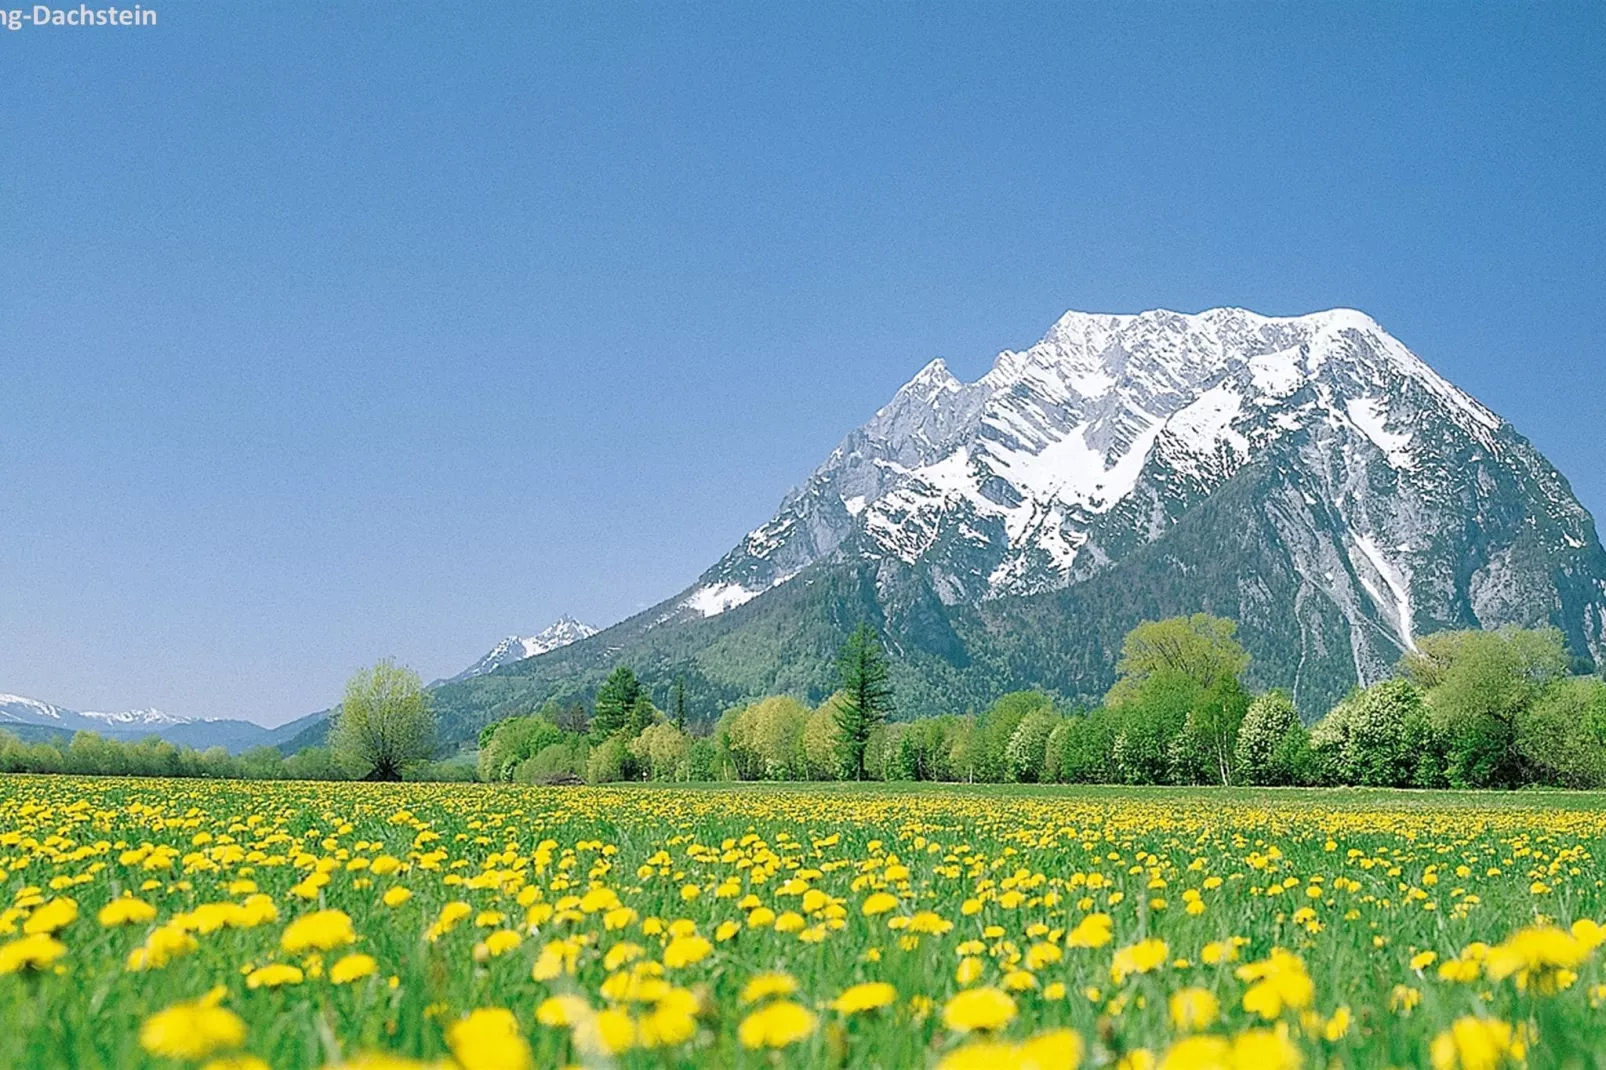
x,y
1202,648
384,722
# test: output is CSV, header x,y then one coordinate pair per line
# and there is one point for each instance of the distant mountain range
x,y
35,720
32,719
1308,476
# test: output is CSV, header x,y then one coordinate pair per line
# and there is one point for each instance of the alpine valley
x,y
1309,477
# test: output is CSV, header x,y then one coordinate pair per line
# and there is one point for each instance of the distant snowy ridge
x,y
22,713
560,633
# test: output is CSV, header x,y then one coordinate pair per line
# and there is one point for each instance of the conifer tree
x,y
680,703
616,702
866,697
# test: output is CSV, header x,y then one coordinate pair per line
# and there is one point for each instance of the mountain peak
x,y
559,633
1070,456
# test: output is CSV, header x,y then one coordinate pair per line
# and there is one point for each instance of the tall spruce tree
x,y
866,697
680,703
616,702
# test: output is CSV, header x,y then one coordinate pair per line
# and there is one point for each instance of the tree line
x,y
1465,709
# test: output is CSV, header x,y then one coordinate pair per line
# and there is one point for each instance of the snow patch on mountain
x,y
715,598
1395,599
1369,415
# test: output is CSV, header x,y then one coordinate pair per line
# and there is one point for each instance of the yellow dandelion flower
x,y
488,1039
193,1029
352,968
775,1025
322,930
126,911
871,995
979,1008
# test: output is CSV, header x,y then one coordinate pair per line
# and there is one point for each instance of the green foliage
x,y
866,700
660,750
563,762
1562,736
617,705
384,723
1087,748
606,762
512,742
1025,754
819,742
1201,648
1263,751
765,739
1479,685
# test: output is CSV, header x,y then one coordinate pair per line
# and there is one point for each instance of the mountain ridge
x,y
1308,476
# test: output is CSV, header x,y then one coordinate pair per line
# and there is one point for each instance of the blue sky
x,y
329,331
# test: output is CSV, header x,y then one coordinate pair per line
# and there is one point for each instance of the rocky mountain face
x,y
561,632
1309,477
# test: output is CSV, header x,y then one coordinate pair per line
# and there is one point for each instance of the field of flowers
x,y
236,925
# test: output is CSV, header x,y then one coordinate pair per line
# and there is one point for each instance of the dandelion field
x,y
236,925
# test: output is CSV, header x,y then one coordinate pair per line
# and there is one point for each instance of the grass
x,y
657,907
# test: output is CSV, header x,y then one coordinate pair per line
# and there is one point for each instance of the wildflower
x,y
126,911
352,968
608,1032
685,950
871,995
192,1030
52,917
1193,1009
274,975
1542,956
775,1025
1095,930
488,1039
395,897
1057,1049
1141,957
1403,999
561,1011
501,942
765,985
33,952
669,1023
879,903
162,945
322,930
979,1008
1477,1044
1280,981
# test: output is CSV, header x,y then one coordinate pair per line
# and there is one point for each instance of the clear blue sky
x,y
334,331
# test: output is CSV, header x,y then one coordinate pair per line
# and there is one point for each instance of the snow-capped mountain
x,y
32,717
1309,477
559,633
1067,457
